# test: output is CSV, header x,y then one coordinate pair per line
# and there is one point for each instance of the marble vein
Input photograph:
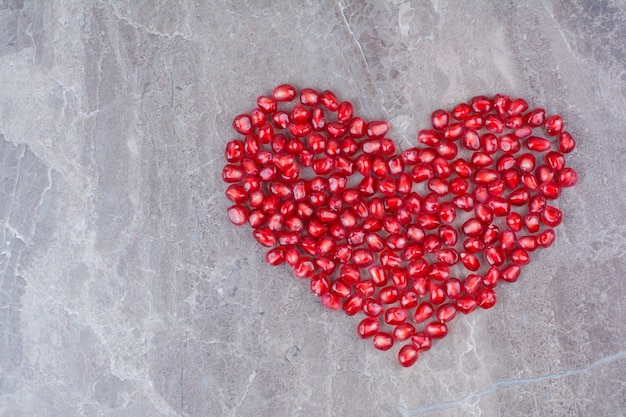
x,y
496,386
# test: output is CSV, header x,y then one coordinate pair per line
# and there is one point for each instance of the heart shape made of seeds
x,y
406,239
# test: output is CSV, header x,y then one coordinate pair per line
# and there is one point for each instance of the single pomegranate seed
x,y
372,308
453,132
439,119
470,261
353,304
357,127
395,316
408,355
329,100
428,137
536,144
550,190
509,143
555,161
517,106
532,223
546,238
486,298
377,129
368,327
494,256
461,111
528,243
472,284
267,104
551,216
485,176
284,92
511,273
535,117
566,142
388,295
408,299
554,125
331,301
436,330
471,140
519,257
453,288
383,341
466,304
423,312
489,143
319,284
421,341
494,124
491,277
514,221
403,332
446,312
567,177
472,227
437,293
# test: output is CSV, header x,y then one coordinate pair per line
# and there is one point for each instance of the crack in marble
x,y
493,388
354,38
140,27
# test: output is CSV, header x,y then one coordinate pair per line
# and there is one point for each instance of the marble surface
x,y
125,291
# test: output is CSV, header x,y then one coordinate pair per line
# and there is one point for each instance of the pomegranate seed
x,y
528,243
471,140
461,111
474,122
439,119
470,261
453,132
489,143
567,177
466,304
331,301
494,255
284,92
555,161
517,106
368,327
353,304
486,298
472,284
546,238
437,293
395,316
446,312
491,277
494,124
377,129
481,104
383,341
423,312
532,223
535,117
407,356
403,332
357,127
453,288
408,299
485,176
329,100
264,236
554,125
566,142
536,144
319,284
550,190
344,112
511,273
519,257
372,308
551,216
421,341
388,295
318,120
436,330
428,137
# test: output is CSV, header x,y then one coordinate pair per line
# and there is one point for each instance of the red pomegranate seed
x,y
267,104
408,299
509,143
519,257
284,92
466,304
446,312
471,140
403,332
383,341
428,137
453,132
486,298
453,288
537,144
567,177
494,124
388,295
329,100
472,227
566,142
470,261
485,176
551,216
491,277
461,111
368,327
319,284
491,234
377,129
357,127
535,117
318,119
528,243
436,330
472,284
264,236
407,355
511,273
489,143
331,301
494,255
423,312
474,122
554,125
421,341
353,304
439,119
372,308
395,316
517,106
546,238
437,293
555,161
550,190
532,223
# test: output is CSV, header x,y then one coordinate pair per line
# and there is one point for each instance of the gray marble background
x,y
125,291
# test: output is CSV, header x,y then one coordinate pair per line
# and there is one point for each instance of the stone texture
x,y
125,291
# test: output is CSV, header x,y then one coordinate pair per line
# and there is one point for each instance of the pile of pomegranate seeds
x,y
406,240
